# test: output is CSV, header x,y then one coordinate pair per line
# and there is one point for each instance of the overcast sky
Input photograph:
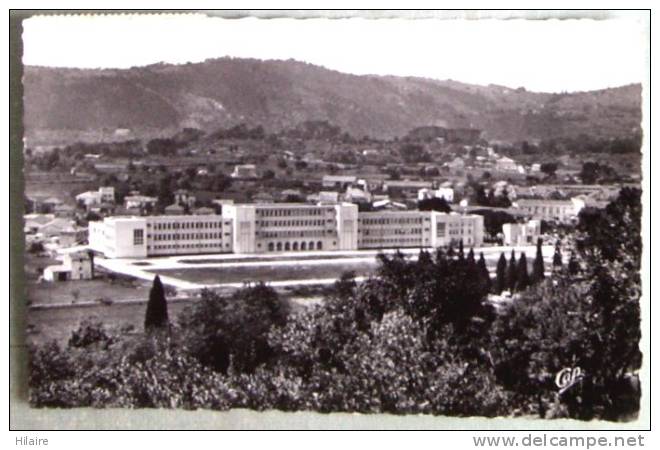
x,y
540,55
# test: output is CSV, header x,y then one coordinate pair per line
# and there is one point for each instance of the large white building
x,y
281,227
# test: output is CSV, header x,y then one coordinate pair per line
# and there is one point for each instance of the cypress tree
x,y
470,258
539,269
461,254
556,259
501,274
156,315
450,251
512,272
483,272
522,279
573,265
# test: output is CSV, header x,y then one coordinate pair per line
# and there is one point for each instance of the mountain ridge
x,y
279,94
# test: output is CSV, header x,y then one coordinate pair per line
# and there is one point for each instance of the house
x,y
111,167
442,192
328,197
204,210
521,233
89,199
183,198
387,204
408,188
140,202
64,210
340,182
505,164
456,164
47,205
244,172
175,210
548,209
293,195
75,266
357,195
263,197
33,222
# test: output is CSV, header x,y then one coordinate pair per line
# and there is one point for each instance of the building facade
x,y
139,237
521,233
281,227
400,229
277,227
547,209
75,266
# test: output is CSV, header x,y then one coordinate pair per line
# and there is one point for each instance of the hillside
x,y
280,94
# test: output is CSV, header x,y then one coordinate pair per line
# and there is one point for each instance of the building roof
x,y
140,198
174,208
58,268
204,210
340,178
408,184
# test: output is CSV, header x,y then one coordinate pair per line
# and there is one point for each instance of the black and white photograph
x,y
343,215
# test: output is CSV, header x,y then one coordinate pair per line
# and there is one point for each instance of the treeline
x,y
578,145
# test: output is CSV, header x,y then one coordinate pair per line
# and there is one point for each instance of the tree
x,y
573,265
549,168
414,153
434,204
538,272
156,315
501,281
223,331
556,258
512,273
483,272
522,278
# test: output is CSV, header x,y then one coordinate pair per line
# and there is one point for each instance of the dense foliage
x,y
421,336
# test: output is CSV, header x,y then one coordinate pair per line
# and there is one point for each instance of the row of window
x,y
392,220
187,246
293,233
295,246
392,242
395,231
294,223
187,236
292,212
187,225
547,209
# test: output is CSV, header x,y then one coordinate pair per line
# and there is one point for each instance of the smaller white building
x,y
521,233
443,192
139,202
244,171
506,164
75,266
105,194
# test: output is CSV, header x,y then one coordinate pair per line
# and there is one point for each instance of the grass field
x,y
262,258
217,275
45,325
85,290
